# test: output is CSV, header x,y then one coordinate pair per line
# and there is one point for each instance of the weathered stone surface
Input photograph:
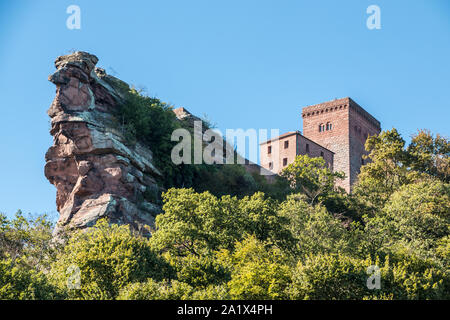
x,y
95,172
351,125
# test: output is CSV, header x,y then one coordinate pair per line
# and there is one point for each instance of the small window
x,y
362,161
321,154
286,144
321,127
269,149
285,162
329,126
307,148
270,165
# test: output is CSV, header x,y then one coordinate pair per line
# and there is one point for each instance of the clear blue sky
x,y
246,64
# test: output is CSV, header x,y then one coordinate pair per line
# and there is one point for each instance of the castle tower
x,y
341,126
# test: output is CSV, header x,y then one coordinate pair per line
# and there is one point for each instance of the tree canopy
x,y
302,238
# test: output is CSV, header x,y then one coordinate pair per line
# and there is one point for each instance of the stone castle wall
x,y
350,127
313,149
282,155
361,127
273,161
337,139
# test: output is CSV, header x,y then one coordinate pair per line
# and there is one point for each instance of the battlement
x,y
337,105
329,106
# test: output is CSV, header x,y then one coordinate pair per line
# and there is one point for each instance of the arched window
x,y
329,126
321,127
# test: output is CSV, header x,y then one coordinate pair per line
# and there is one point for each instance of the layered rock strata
x,y
95,172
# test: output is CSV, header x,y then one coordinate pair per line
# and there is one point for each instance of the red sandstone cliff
x,y
95,173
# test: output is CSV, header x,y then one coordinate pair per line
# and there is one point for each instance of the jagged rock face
x,y
95,172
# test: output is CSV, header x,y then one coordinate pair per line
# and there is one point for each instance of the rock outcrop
x,y
95,172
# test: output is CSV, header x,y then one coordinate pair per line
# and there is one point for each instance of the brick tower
x,y
341,126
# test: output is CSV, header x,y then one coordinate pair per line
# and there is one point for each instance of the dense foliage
x,y
300,239
150,121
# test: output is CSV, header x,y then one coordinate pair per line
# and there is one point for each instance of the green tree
x,y
28,238
108,258
194,226
173,290
311,176
326,276
385,172
415,218
199,271
313,227
430,155
154,290
194,222
258,271
20,281
421,212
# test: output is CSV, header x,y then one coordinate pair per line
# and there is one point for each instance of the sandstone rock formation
x,y
95,172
